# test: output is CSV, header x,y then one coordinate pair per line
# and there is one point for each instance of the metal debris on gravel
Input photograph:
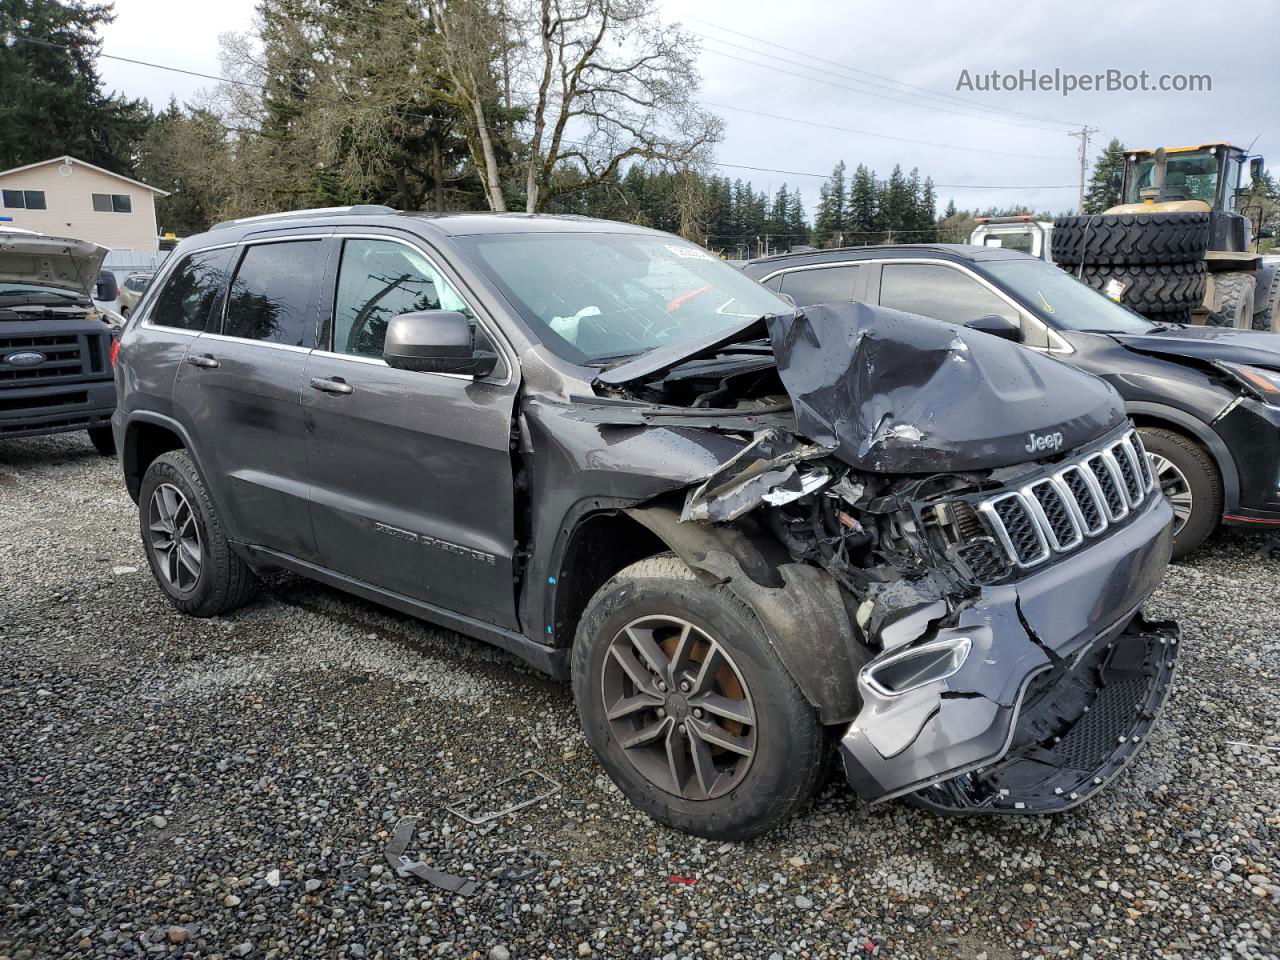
x,y
226,788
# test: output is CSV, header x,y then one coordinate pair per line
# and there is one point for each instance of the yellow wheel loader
x,y
1180,247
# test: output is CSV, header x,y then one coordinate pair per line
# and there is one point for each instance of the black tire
x,y
1176,288
790,745
1130,238
1235,300
1266,300
103,440
224,581
1200,475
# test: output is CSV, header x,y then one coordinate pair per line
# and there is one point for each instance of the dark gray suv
x,y
747,532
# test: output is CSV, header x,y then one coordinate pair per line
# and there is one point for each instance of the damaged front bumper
x,y
1053,684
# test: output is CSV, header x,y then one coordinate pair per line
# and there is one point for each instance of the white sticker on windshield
x,y
688,253
1114,289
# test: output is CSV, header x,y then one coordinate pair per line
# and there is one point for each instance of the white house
x,y
66,197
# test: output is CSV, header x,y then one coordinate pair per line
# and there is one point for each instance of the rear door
x,y
412,487
239,389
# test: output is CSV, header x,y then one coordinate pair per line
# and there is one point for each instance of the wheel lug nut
x,y
681,728
661,712
662,686
684,685
697,713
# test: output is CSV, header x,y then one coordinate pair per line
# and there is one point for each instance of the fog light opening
x,y
916,667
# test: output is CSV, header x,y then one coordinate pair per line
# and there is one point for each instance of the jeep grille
x,y
1079,500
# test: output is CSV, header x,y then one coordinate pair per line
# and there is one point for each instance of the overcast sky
x,y
905,42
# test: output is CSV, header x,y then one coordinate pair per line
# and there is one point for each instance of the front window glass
x,y
1062,300
601,296
944,293
1189,176
378,280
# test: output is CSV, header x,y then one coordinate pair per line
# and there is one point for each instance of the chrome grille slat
x,y
1056,513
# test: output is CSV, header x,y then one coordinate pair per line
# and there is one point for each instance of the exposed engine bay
x,y
988,567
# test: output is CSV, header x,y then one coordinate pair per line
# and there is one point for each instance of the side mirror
x,y
1255,169
436,341
997,326
106,289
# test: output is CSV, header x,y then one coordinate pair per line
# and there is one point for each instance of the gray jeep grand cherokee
x,y
747,532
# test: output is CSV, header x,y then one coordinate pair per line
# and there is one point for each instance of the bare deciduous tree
x,y
612,84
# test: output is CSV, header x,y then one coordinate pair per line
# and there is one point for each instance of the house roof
x,y
71,161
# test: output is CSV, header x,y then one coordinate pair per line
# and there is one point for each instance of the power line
x,y
867,93
924,90
423,116
948,186
882,136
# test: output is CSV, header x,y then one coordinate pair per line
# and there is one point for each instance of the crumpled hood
x,y
50,261
1207,344
894,392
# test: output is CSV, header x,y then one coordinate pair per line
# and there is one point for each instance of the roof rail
x,y
358,210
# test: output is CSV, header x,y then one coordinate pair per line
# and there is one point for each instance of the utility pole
x,y
1084,133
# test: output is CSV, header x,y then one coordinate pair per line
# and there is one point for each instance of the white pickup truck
x,y
1023,233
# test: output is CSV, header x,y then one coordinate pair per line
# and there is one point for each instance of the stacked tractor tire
x,y
1155,260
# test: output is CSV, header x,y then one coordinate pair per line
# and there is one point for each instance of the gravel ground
x,y
226,788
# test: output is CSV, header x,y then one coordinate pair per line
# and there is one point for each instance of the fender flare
x,y
1199,431
174,427
801,608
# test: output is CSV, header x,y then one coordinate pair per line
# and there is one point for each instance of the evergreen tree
x,y
1104,184
776,224
927,219
52,101
862,216
896,206
828,222
797,225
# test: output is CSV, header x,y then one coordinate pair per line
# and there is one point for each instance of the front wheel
x,y
1186,475
688,707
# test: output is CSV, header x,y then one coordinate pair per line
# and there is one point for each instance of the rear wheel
x,y
1234,293
189,554
103,440
1185,474
688,707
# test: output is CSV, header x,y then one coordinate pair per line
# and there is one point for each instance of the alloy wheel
x,y
175,538
1173,484
677,705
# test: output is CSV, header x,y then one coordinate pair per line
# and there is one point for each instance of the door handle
x,y
331,385
205,362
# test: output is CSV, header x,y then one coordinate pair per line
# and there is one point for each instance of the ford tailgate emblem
x,y
26,358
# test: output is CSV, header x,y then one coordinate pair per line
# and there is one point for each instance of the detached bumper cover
x,y
1058,659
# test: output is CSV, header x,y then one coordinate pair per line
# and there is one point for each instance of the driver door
x,y
411,476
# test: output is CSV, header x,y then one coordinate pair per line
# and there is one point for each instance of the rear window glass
x,y
187,296
272,297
